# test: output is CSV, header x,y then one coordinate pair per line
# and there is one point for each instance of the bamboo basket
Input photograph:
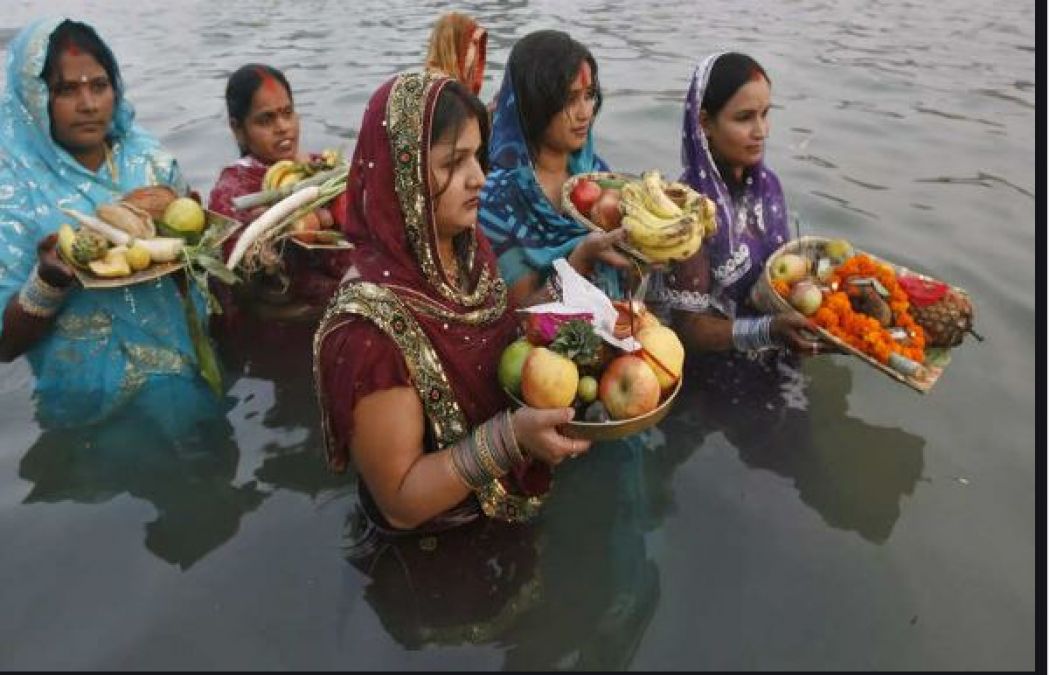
x,y
226,226
575,214
764,298
616,429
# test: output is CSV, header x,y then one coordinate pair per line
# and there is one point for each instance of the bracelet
x,y
509,438
484,452
467,465
489,452
39,298
751,334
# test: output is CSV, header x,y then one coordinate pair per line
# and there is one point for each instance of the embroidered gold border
x,y
406,115
384,308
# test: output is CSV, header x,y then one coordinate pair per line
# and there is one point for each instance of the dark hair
x,y
82,36
542,67
454,107
241,88
730,72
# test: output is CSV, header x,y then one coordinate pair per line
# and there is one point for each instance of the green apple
x,y
511,363
789,267
587,390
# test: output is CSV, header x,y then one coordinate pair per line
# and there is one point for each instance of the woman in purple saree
x,y
722,150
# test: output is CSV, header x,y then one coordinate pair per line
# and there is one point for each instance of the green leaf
x,y
215,268
937,357
577,341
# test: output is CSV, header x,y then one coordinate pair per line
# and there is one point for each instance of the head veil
x,y
759,213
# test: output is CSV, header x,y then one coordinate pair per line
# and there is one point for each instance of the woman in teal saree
x,y
68,140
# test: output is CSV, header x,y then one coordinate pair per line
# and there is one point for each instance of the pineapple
x,y
947,320
87,247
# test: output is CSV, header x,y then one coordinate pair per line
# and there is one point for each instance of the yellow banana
x,y
686,249
646,229
645,237
289,178
272,178
658,201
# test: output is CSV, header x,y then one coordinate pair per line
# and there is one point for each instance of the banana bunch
x,y
288,172
281,173
666,222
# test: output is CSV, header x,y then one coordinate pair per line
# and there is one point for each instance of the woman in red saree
x,y
405,357
265,124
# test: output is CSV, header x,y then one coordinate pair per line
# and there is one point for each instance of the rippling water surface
x,y
845,523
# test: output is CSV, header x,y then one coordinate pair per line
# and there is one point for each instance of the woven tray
x,y
765,299
226,227
575,214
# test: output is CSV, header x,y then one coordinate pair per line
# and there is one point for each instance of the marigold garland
x,y
863,332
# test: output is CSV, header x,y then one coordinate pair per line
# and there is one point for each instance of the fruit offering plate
x,y
605,179
613,430
765,298
217,227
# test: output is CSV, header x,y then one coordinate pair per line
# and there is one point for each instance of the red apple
x,y
305,228
584,194
605,212
629,387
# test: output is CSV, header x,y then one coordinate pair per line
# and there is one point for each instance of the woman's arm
x,y
411,486
703,332
30,313
591,249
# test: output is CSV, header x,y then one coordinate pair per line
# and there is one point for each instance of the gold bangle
x,y
484,452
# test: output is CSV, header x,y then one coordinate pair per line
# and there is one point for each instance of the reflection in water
x,y
575,589
281,353
171,447
851,472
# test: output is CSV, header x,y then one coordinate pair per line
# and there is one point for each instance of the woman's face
x,y
81,100
270,130
455,172
568,129
737,133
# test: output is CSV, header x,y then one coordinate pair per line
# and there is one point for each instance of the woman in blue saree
x,y
542,135
68,140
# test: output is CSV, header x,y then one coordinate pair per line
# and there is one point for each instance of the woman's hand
x,y
598,246
537,434
50,267
799,334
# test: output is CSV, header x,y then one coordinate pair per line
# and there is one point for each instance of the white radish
x,y
112,234
161,249
273,217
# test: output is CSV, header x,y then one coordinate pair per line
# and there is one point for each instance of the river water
x,y
846,523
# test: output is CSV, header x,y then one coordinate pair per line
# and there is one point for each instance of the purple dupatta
x,y
750,227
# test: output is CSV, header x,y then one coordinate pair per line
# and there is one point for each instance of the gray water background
x,y
899,533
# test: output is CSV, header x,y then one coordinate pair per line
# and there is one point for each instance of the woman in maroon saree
x,y
265,124
405,357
